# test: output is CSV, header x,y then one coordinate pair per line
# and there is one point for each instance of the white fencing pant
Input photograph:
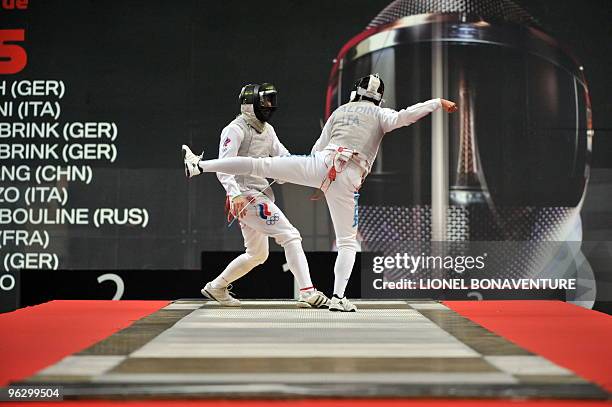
x,y
263,219
341,196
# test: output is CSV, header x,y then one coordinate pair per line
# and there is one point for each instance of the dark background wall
x,y
168,73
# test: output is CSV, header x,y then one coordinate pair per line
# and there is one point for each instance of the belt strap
x,y
340,157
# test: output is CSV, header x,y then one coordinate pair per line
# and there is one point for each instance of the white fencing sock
x,y
343,269
236,269
296,259
230,165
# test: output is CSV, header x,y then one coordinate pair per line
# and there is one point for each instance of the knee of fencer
x,y
288,238
258,257
348,243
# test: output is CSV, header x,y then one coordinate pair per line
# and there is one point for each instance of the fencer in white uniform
x,y
340,161
250,198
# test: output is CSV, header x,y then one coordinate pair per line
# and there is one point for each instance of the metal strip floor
x,y
194,348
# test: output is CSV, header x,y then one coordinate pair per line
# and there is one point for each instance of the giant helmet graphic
x,y
511,165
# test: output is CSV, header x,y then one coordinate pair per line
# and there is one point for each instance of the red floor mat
x,y
570,336
579,339
327,403
35,337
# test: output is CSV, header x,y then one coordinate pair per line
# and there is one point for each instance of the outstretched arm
x,y
391,120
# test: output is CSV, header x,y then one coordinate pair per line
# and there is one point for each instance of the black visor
x,y
267,99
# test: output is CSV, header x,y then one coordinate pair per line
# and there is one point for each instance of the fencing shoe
x,y
341,304
221,295
191,162
313,299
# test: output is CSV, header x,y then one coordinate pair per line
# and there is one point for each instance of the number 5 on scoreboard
x,y
13,58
